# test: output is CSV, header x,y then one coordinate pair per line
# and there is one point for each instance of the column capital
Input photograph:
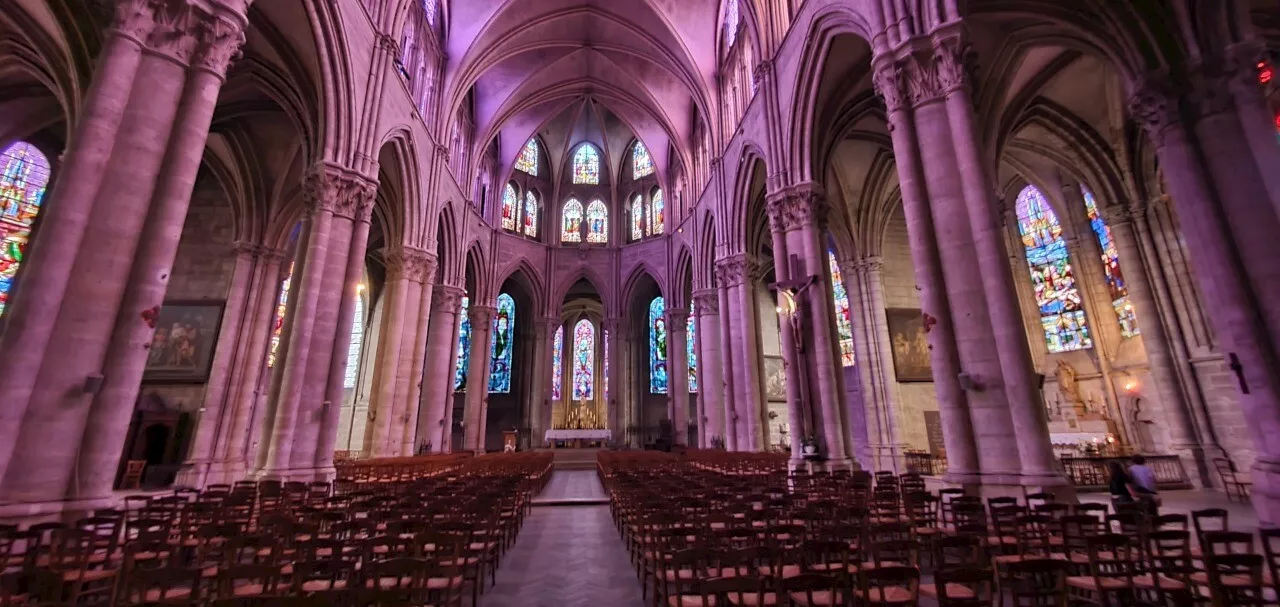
x,y
219,39
677,318
924,70
339,190
1154,105
736,270
889,80
447,299
868,265
410,263
797,206
1122,214
549,325
481,316
174,30
707,301
244,247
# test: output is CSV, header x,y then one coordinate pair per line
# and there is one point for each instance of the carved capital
x,y
481,316
797,207
447,299
677,318
343,192
134,19
735,270
762,71
889,82
272,254
872,264
412,264
1210,89
218,42
952,59
244,247
1154,106
175,31
707,302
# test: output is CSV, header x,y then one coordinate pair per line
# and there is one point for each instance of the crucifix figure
x,y
791,294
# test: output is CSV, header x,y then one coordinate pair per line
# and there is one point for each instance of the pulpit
x,y
510,440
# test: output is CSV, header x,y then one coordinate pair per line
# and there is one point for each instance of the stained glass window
x,y
282,304
429,8
641,161
528,159
557,363
657,213
657,346
504,334
357,341
637,218
730,24
1111,267
691,336
597,222
464,346
24,174
1061,311
510,208
604,379
586,165
530,215
844,318
584,350
572,218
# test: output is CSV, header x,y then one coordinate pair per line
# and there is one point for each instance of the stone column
x,y
953,403
739,274
710,381
478,378
323,191
214,418
617,331
232,447
29,319
419,271
417,375
731,421
1021,388
442,346
865,433
360,211
870,272
1237,321
540,380
378,433
800,392
678,372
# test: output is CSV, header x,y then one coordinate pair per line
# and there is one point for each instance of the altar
x,y
577,437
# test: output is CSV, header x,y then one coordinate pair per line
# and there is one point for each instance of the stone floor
x,y
567,556
1240,515
572,486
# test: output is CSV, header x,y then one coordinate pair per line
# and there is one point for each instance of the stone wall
x,y
900,291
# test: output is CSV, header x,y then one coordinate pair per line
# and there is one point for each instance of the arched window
x,y
510,207
572,219
731,22
691,335
657,212
657,346
464,346
504,335
637,217
282,305
357,342
597,222
641,161
430,9
586,165
530,215
528,159
24,175
584,360
557,363
844,318
1061,312
604,379
1116,283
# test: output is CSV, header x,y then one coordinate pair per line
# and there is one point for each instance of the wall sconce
x,y
360,287
1132,387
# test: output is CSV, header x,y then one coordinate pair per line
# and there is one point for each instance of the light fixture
x,y
360,287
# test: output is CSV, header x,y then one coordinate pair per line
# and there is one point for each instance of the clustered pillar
x,y
442,349
711,390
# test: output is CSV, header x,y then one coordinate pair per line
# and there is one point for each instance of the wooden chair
x,y
1170,567
1231,484
162,586
813,590
133,470
887,585
1114,562
1235,580
1037,583
961,587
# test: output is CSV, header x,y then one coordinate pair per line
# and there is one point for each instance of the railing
x,y
925,463
1092,472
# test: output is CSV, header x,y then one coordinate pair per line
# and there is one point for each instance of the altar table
x,y
577,436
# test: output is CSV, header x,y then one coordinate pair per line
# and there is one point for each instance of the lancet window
x,y
844,317
24,175
1061,310
658,371
586,165
584,350
504,334
464,346
1117,287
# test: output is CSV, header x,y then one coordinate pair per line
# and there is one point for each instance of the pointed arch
x,y
527,161
586,165
510,207
657,212
597,222
641,161
530,222
1057,296
24,177
571,219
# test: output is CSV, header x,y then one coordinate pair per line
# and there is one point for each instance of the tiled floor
x,y
573,485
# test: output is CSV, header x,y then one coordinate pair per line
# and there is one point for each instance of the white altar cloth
x,y
579,435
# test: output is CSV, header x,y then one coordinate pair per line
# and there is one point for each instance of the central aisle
x,y
567,556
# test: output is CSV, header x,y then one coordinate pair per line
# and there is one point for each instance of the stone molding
x,y
481,317
414,265
707,302
762,71
923,71
447,299
677,318
796,207
342,192
174,30
1123,214
872,264
134,19
220,41
736,270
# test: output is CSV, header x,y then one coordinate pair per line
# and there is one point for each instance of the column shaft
x,y
408,416
442,345
870,272
477,403
678,372
731,420
234,445
382,408
710,382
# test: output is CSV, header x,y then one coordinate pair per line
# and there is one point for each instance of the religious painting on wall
x,y
910,344
184,340
775,379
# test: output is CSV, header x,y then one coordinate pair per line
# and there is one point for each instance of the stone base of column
x,y
326,474
286,475
1008,485
26,513
1266,491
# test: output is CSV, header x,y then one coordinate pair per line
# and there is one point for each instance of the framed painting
x,y
910,345
183,344
775,379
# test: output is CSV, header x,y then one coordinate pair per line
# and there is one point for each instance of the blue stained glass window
x,y
691,338
597,222
510,208
530,215
657,346
604,379
1119,288
528,159
641,161
731,24
584,360
557,363
464,346
586,165
1061,309
504,335
24,175
844,318
657,213
357,341
572,220
282,306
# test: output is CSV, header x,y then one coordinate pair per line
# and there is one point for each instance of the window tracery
x,y
571,218
527,162
657,213
510,208
597,222
557,363
641,161
637,217
530,215
352,372
844,317
464,346
277,327
691,335
586,165
1061,310
1116,284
